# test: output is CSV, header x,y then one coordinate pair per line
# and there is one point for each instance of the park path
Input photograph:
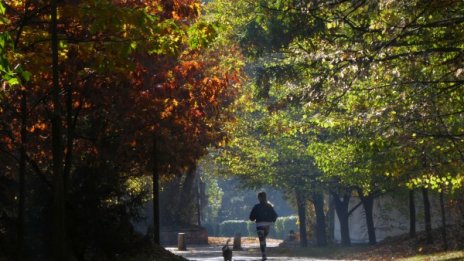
x,y
214,253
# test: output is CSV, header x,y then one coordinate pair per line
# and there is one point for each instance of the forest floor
x,y
395,248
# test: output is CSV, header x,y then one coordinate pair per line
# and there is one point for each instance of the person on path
x,y
264,215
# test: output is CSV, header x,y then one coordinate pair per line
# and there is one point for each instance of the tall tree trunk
x,y
427,216
22,177
187,201
59,232
331,219
412,214
199,193
368,205
321,236
341,207
156,195
301,205
443,221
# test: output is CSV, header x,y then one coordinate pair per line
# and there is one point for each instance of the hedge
x,y
280,229
229,228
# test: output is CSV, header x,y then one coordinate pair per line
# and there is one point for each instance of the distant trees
x,y
379,86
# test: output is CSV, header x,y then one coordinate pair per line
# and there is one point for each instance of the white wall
x,y
391,217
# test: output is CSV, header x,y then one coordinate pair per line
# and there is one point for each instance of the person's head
x,y
262,197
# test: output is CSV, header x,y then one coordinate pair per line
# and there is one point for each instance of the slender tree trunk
x,y
69,121
22,177
198,201
341,207
203,201
368,204
412,214
301,204
331,219
321,236
156,196
443,221
427,216
59,246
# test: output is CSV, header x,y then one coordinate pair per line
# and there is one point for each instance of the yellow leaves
x,y
39,126
170,105
176,16
438,183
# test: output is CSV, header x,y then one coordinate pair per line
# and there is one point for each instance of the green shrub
x,y
229,228
283,225
281,228
251,228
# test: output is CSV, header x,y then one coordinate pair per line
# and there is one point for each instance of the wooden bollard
x,y
181,242
237,241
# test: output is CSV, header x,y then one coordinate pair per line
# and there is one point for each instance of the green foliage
x,y
104,203
229,228
284,225
201,34
280,229
380,83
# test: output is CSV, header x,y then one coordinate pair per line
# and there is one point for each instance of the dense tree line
x,y
366,95
97,96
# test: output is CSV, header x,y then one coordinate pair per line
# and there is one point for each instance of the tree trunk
x,y
331,219
341,207
301,204
443,221
412,214
321,236
186,208
203,201
427,216
368,204
22,177
198,201
156,206
59,231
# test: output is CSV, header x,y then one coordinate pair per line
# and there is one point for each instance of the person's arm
x,y
274,215
253,214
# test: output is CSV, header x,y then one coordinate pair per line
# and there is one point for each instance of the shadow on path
x,y
214,253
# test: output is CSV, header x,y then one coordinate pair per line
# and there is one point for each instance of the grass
x,y
448,255
361,252
396,248
331,251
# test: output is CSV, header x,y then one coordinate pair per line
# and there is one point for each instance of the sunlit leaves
x,y
201,34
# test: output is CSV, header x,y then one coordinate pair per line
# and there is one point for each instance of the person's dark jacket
x,y
263,213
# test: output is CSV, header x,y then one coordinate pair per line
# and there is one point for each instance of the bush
x,y
229,228
251,228
281,228
283,225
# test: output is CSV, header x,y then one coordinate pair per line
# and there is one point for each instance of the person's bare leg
x,y
262,234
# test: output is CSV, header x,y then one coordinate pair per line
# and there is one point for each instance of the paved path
x,y
214,253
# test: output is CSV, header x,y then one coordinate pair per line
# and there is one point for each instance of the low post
x,y
181,242
292,236
237,241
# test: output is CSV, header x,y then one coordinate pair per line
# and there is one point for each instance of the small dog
x,y
227,252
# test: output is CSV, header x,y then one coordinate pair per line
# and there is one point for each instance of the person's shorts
x,y
262,231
